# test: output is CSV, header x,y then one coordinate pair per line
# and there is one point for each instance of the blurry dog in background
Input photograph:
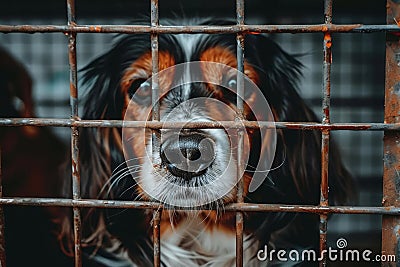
x,y
117,87
30,161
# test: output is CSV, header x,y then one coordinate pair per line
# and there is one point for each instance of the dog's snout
x,y
189,155
196,147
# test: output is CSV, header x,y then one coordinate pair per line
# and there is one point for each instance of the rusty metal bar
x,y
2,222
323,219
39,122
391,140
76,192
240,137
246,29
239,199
155,117
156,237
154,58
246,207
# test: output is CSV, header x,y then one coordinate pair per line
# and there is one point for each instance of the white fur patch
x,y
191,245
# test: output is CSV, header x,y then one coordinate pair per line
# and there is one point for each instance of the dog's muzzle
x,y
187,154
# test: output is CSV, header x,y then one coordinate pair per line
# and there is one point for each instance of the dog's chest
x,y
193,243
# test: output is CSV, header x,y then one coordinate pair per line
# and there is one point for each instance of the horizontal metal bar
x,y
199,29
197,125
246,207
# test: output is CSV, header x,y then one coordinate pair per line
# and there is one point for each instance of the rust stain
x,y
73,91
328,39
391,179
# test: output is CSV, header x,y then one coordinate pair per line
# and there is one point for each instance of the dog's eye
x,y
232,83
144,89
140,90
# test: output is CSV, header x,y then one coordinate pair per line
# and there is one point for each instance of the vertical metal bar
x,y
327,64
328,11
156,237
2,222
391,139
239,104
239,199
76,192
155,117
323,219
154,57
323,224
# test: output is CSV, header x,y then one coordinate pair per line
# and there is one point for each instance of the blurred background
x,y
357,72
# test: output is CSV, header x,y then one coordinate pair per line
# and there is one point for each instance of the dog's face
x,y
197,82
190,167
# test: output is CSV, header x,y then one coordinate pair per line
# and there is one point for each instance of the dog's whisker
x,y
256,170
122,174
127,190
113,178
125,163
117,214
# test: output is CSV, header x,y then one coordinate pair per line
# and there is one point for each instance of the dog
x,y
137,164
30,160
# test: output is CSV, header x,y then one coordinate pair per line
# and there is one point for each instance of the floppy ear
x,y
299,152
296,171
100,148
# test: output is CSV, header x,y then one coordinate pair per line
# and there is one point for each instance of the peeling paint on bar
x,y
240,137
391,160
325,135
76,192
246,207
155,94
39,122
245,29
156,238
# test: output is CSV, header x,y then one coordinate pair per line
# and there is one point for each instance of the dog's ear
x,y
298,152
295,175
100,82
101,148
103,99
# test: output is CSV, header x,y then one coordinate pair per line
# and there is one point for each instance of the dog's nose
x,y
189,155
